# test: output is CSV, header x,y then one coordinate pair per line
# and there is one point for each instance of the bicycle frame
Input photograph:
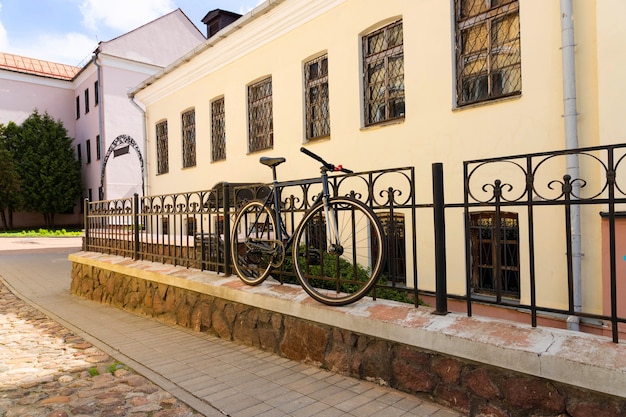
x,y
273,199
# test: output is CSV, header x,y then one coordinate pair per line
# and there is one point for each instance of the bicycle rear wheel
x,y
251,243
342,271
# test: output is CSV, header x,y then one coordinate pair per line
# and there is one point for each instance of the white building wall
x,y
20,94
87,129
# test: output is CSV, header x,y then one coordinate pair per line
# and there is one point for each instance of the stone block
x,y
448,369
479,383
304,341
534,394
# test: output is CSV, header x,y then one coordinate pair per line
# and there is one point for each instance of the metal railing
x,y
566,232
515,236
193,229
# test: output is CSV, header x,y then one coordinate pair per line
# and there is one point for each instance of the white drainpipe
x,y
144,121
570,115
100,121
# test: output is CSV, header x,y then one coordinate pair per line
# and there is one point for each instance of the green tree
x,y
48,167
10,197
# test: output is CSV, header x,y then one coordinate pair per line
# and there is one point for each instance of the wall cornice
x,y
36,79
252,31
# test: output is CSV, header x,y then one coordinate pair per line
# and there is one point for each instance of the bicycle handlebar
x,y
327,165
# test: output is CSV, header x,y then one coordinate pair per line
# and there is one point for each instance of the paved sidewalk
x,y
213,376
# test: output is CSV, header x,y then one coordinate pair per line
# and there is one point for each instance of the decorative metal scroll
x,y
121,139
545,178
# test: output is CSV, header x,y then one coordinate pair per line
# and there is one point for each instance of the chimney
x,y
217,20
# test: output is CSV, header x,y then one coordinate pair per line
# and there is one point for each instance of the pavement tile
x,y
211,374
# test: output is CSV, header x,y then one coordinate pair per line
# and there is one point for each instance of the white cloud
x,y
67,48
122,15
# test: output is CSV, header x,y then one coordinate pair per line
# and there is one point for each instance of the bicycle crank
x,y
274,248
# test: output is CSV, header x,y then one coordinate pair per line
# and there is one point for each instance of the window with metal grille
x,y
394,227
88,145
218,130
383,74
189,138
488,55
98,145
86,101
260,117
495,254
162,148
316,98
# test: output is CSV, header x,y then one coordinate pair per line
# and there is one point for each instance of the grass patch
x,y
42,233
115,366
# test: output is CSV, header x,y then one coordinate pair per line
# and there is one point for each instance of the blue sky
x,y
67,31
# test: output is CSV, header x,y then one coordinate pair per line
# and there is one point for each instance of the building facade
x,y
93,105
407,84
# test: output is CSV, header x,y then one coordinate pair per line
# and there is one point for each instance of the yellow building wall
x,y
433,129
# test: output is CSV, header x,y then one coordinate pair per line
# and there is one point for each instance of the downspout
x,y
144,188
570,115
100,124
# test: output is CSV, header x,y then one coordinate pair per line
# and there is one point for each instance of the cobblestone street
x,y
46,371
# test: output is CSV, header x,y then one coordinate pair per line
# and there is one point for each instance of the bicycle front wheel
x,y
252,242
338,270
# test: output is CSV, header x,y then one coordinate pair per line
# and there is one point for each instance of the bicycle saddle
x,y
271,162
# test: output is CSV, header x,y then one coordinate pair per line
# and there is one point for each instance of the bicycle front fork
x,y
333,243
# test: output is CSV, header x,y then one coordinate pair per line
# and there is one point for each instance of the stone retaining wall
x,y
474,388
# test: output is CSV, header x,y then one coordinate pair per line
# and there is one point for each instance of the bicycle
x,y
337,247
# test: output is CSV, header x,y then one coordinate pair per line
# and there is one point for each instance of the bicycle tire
x,y
340,278
254,220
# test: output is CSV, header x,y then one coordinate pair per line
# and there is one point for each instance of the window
x,y
495,254
98,147
260,118
96,93
383,74
77,107
189,138
192,226
218,130
394,228
79,153
162,146
88,150
316,98
488,60
86,101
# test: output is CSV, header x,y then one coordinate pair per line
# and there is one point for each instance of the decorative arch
x,y
120,140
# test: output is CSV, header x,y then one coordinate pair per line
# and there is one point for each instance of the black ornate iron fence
x,y
542,233
537,233
193,229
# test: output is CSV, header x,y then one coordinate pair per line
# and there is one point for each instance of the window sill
x,y
486,102
383,124
317,139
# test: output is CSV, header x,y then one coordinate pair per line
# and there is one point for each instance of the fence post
x,y
441,291
136,225
227,207
86,224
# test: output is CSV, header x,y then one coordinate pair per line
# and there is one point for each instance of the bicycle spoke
x,y
342,271
251,245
